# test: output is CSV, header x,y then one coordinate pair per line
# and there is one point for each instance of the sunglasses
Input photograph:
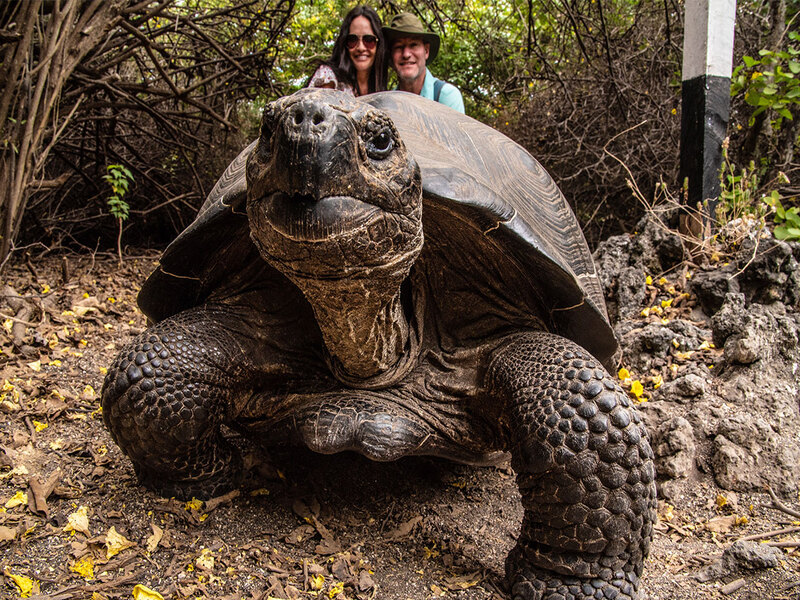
x,y
369,41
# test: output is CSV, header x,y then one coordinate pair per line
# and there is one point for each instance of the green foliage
x,y
770,82
119,178
738,190
787,220
739,197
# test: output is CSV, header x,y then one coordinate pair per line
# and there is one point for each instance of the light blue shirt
x,y
449,96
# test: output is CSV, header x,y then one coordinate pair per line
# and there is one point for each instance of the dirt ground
x,y
74,524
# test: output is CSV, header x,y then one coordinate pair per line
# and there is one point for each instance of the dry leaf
x,y
463,582
404,529
300,534
79,521
155,539
721,524
116,543
7,533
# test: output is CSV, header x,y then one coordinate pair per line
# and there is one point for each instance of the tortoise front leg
x,y
584,469
165,397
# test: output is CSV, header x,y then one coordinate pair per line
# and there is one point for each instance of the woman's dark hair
x,y
340,58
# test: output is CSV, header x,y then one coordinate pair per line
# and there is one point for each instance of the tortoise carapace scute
x,y
389,276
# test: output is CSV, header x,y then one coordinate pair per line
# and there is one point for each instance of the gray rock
x,y
683,388
675,448
741,555
752,555
712,286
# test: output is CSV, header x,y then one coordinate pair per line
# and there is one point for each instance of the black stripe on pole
x,y
705,110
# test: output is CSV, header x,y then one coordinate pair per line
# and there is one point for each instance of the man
x,y
411,49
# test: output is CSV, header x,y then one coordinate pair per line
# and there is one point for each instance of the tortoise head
x,y
332,192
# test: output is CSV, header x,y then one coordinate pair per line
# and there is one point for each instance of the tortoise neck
x,y
365,329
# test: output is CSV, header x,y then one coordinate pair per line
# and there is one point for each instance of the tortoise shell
x,y
497,231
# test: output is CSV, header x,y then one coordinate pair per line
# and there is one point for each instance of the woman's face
x,y
363,58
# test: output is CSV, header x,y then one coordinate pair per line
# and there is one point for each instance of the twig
x,y
16,320
783,544
768,534
781,506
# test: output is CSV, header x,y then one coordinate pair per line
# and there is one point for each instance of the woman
x,y
358,63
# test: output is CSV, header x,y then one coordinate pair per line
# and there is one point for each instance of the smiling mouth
x,y
302,218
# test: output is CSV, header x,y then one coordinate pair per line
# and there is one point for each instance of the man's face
x,y
409,55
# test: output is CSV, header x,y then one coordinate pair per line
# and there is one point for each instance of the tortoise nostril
x,y
298,117
318,118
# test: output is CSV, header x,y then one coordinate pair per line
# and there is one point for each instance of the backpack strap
x,y
437,89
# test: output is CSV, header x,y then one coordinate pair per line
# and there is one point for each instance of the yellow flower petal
x,y
18,499
315,582
637,388
624,373
26,585
84,567
141,592
194,504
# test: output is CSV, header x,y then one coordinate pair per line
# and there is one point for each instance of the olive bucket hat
x,y
405,24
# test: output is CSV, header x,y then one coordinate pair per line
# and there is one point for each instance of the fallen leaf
x,y
721,524
404,529
155,539
7,533
40,492
205,560
116,543
300,534
463,582
79,521
328,546
365,581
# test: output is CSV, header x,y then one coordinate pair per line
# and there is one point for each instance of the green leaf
x,y
781,232
785,113
794,66
794,232
792,217
749,61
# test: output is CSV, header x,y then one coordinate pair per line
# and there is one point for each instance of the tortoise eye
x,y
381,144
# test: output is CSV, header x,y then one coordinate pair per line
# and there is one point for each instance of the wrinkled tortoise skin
x,y
387,276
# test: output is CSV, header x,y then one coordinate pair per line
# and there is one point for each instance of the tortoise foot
x,y
207,480
532,583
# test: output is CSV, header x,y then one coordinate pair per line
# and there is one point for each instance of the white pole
x,y
705,96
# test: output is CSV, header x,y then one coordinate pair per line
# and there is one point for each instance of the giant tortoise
x,y
388,276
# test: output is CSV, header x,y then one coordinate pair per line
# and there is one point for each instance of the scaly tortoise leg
x,y
164,399
584,468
